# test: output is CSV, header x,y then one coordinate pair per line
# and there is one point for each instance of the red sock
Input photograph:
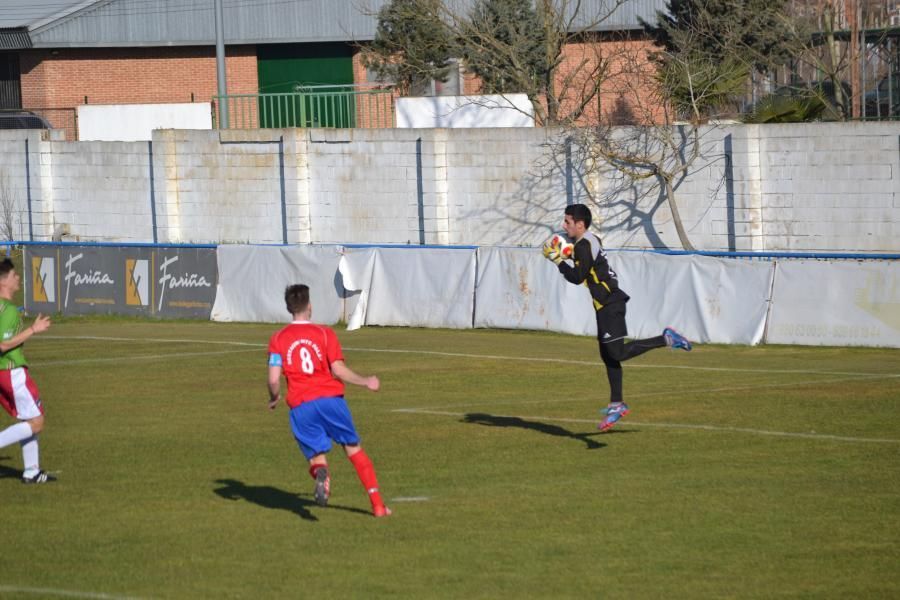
x,y
366,472
313,469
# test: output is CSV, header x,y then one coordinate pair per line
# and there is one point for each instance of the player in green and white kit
x,y
18,393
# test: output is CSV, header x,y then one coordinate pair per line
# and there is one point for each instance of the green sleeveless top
x,y
10,326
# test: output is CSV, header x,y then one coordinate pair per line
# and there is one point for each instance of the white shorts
x,y
19,395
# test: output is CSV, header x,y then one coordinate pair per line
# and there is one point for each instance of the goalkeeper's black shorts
x,y
611,325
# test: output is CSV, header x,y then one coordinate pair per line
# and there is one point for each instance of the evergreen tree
x,y
758,32
506,48
411,44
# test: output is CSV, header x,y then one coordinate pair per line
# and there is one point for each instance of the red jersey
x,y
305,352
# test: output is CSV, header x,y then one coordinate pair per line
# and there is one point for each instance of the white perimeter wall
x,y
810,187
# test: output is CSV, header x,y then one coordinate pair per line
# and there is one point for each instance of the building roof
x,y
20,13
130,23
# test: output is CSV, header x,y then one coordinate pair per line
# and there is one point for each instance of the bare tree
x,y
510,48
9,213
687,91
827,43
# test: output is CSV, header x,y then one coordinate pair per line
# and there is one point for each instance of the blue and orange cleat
x,y
675,340
613,412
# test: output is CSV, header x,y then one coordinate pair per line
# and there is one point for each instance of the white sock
x,y
15,433
30,456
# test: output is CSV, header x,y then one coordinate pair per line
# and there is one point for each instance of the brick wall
x,y
375,111
625,95
64,78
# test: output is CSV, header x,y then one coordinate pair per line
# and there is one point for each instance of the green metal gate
x,y
362,106
314,76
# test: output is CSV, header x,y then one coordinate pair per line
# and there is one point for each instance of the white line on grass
x,y
411,499
630,366
850,377
814,436
64,593
482,356
162,340
80,361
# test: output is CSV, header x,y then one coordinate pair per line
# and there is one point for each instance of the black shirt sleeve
x,y
583,259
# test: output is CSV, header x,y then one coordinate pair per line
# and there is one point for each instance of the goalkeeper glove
x,y
551,252
558,249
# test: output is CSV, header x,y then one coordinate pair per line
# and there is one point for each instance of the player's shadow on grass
x,y
497,421
8,471
271,497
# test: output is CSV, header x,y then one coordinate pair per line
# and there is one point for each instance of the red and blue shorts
x,y
19,395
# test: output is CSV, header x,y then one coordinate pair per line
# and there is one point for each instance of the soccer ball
x,y
562,244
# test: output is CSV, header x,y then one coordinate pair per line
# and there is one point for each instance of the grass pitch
x,y
741,472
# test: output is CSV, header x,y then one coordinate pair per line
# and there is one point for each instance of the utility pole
x,y
220,66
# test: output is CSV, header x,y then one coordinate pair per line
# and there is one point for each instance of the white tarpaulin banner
x,y
252,280
357,266
845,303
718,300
421,287
707,299
518,288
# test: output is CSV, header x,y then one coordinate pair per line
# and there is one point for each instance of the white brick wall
x,y
13,189
100,190
803,187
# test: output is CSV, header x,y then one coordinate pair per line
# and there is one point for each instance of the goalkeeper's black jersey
x,y
592,269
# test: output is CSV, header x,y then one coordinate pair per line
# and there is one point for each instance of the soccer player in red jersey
x,y
18,393
310,358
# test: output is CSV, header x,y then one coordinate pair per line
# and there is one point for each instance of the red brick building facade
x,y
54,82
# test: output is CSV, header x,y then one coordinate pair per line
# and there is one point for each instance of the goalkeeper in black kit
x,y
592,269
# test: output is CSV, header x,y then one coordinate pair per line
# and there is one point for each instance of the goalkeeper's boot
x,y
613,412
675,340
323,486
39,477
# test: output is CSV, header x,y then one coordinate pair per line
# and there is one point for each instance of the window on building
x,y
10,86
452,86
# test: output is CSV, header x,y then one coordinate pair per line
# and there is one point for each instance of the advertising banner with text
x,y
164,282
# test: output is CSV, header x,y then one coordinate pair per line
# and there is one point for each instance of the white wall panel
x,y
136,122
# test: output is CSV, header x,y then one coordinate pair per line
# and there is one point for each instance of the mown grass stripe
x,y
485,356
717,428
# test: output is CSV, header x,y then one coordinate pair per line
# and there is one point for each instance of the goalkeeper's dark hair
x,y
580,212
296,298
6,267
